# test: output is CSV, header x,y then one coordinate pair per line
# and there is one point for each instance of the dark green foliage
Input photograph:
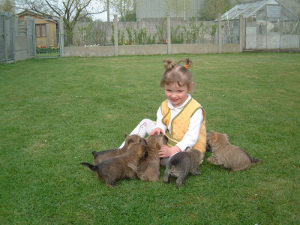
x,y
211,9
129,17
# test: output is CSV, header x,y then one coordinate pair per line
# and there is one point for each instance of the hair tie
x,y
186,66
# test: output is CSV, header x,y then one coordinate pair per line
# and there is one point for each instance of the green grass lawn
x,y
55,112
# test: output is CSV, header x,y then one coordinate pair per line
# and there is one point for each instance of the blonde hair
x,y
176,73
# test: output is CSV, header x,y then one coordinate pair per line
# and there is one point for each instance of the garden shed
x,y
268,25
46,29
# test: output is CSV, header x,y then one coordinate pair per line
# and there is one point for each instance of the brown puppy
x,y
99,157
227,155
148,170
116,168
182,164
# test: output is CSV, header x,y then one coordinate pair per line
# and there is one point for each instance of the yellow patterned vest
x,y
180,124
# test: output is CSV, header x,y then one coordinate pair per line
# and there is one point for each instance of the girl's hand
x,y
157,131
166,151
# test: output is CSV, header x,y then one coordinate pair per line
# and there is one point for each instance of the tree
x,y
125,8
72,11
212,8
7,6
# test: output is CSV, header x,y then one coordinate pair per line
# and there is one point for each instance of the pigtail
x,y
168,64
187,61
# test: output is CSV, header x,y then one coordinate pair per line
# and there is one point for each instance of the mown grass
x,y
55,112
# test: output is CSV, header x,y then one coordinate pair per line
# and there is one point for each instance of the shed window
x,y
40,30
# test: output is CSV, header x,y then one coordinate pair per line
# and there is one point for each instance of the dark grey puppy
x,y
182,164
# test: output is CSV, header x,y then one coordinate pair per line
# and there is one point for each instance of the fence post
x,y
13,36
61,36
169,50
5,36
116,34
26,19
220,41
30,36
33,38
15,28
242,33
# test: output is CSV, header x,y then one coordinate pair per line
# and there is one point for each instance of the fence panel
x,y
6,37
144,32
231,31
199,37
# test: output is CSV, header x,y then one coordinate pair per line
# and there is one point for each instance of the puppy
x,y
116,168
182,164
227,155
149,169
99,157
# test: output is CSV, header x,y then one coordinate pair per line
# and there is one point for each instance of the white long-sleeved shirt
x,y
191,136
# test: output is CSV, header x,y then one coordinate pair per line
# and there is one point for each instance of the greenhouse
x,y
268,25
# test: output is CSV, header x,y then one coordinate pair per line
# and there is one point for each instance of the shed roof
x,y
31,13
246,9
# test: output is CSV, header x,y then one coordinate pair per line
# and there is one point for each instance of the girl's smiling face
x,y
176,94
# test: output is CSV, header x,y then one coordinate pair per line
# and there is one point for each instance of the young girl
x,y
180,117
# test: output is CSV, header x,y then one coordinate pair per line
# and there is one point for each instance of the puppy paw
x,y
166,180
179,183
195,173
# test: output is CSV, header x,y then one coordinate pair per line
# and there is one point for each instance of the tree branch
x,y
53,9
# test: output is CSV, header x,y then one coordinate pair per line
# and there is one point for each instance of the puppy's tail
x,y
252,159
92,167
255,160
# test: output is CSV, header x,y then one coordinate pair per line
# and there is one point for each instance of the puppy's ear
x,y
214,136
129,141
126,135
157,146
143,141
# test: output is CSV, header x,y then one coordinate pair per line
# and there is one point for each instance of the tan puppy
x,y
182,164
99,157
149,169
116,168
227,155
